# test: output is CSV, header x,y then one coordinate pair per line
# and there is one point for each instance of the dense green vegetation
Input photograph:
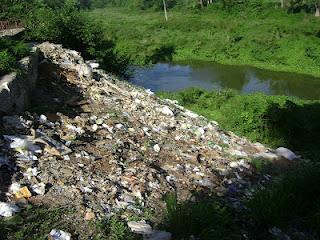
x,y
64,22
260,36
10,52
273,120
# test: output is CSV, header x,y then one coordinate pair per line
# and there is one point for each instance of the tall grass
x,y
267,38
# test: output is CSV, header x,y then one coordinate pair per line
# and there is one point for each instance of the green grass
x,y
273,120
206,219
269,39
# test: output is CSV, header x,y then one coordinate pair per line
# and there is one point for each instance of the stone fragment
x,y
89,215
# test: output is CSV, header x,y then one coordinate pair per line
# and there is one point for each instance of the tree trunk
x,y
317,14
201,3
165,10
282,3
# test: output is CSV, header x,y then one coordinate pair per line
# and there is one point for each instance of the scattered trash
x,y
140,227
59,235
286,153
43,119
39,188
23,193
156,148
125,150
8,209
167,111
14,187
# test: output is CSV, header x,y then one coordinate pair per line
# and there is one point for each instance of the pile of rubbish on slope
x,y
123,152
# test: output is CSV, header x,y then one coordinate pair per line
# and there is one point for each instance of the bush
x,y
6,62
10,52
73,29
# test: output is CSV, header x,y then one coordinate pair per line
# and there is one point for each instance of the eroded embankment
x,y
103,146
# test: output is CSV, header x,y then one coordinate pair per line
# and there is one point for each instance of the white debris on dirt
x,y
140,228
59,235
111,147
8,209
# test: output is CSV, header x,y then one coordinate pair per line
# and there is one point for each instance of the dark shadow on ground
x,y
54,93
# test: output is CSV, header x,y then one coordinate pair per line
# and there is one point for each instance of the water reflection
x,y
174,77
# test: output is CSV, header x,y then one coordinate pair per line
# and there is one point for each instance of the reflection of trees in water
x,y
290,83
249,79
223,76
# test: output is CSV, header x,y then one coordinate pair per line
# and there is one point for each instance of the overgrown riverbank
x,y
270,39
273,120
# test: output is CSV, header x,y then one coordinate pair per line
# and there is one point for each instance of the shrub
x,y
72,28
6,62
10,52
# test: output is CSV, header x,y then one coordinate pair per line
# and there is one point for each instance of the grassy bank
x,y
270,39
273,120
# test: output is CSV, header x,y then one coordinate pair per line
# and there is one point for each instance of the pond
x,y
209,75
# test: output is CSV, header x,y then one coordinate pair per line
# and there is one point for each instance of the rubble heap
x,y
118,147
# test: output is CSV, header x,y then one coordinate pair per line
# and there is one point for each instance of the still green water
x,y
209,75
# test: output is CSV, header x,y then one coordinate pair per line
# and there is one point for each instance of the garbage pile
x,y
122,152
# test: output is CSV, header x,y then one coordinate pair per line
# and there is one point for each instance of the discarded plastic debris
x,y
59,235
140,227
286,153
43,119
23,143
63,150
39,188
14,187
156,148
8,209
23,193
25,146
167,111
